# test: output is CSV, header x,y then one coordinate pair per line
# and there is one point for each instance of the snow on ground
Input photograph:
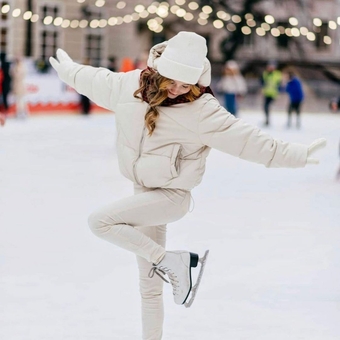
x,y
273,235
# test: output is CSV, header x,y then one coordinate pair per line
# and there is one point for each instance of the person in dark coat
x,y
85,102
296,96
6,81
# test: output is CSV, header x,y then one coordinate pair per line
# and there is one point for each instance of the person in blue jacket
x,y
296,96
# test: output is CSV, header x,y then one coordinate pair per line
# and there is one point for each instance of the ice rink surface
x,y
273,235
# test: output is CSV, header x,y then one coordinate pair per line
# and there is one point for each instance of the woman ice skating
x,y
167,121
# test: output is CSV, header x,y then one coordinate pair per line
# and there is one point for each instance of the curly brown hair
x,y
155,87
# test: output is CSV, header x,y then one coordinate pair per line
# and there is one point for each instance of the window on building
x,y
94,39
93,49
247,40
90,13
3,16
49,43
320,33
48,34
49,10
3,28
3,39
283,39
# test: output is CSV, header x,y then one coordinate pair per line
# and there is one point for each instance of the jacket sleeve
x,y
220,130
98,84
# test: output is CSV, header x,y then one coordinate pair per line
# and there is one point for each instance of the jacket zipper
x,y
141,143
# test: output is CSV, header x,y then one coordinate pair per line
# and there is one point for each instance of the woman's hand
x,y
62,57
316,145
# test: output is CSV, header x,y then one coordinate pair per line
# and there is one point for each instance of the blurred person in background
x,y
338,173
85,102
1,80
233,86
2,119
296,95
141,61
85,105
334,104
271,83
18,74
167,121
112,66
2,115
6,81
127,65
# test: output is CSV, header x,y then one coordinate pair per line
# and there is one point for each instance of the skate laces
x,y
165,271
157,271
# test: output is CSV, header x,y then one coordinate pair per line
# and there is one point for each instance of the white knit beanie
x,y
184,58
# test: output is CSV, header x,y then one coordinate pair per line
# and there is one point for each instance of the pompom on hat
x,y
182,58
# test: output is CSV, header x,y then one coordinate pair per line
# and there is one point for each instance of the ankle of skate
x,y
177,266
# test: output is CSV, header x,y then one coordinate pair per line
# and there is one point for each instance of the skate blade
x,y
194,289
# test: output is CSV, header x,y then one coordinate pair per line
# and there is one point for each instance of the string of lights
x,y
161,10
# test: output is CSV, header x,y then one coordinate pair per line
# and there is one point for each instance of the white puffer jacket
x,y
175,155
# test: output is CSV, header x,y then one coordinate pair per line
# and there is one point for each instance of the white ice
x,y
273,235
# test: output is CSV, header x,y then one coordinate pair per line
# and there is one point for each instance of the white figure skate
x,y
177,266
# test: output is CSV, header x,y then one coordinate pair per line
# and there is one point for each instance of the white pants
x,y
138,224
21,106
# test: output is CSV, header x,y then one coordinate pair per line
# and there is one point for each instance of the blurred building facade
x,y
97,29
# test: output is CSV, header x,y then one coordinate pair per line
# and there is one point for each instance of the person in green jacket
x,y
271,82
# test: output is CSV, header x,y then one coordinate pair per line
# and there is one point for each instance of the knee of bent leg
x,y
97,223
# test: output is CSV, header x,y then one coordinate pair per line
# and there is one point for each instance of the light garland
x,y
162,10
